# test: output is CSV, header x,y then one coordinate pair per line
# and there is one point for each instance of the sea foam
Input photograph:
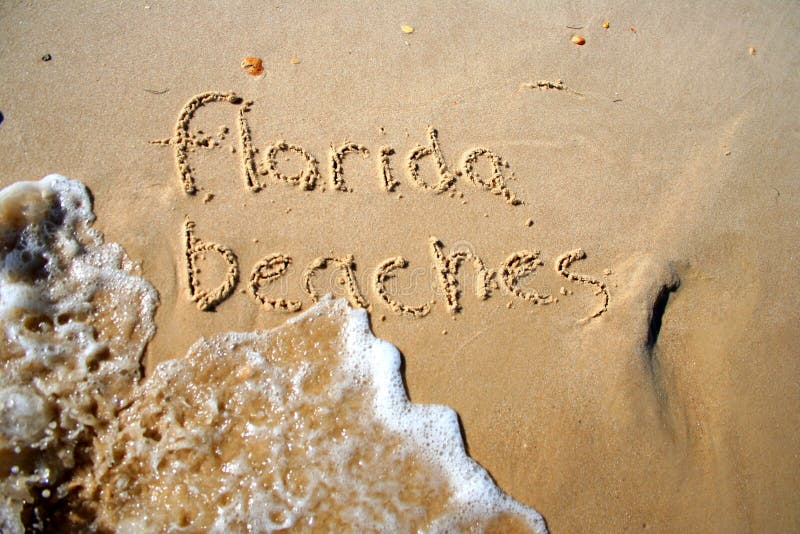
x,y
74,322
303,428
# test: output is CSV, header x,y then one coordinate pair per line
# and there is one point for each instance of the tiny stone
x,y
563,291
529,222
607,271
509,304
46,493
233,150
207,198
47,57
383,317
752,51
444,332
486,215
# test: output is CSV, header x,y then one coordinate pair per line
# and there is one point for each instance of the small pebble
x,y
444,332
529,222
752,51
207,198
578,40
606,25
607,271
47,57
509,304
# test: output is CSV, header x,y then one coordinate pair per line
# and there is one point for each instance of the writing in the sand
x,y
446,264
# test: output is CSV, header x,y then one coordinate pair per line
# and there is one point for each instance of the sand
x,y
664,148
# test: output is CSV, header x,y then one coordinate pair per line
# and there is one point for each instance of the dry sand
x,y
668,154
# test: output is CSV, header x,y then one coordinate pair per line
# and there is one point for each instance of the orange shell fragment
x,y
253,66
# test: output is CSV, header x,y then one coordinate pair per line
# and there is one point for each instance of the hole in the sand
x,y
657,317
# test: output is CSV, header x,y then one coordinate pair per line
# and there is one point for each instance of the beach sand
x,y
665,148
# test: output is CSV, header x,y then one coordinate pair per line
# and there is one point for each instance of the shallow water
x,y
303,428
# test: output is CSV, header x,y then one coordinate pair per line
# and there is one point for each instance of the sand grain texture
x,y
669,158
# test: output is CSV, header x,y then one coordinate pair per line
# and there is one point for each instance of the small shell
x,y
578,40
253,66
407,29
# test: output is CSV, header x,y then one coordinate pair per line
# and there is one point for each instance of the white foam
x,y
431,431
240,426
252,432
60,378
